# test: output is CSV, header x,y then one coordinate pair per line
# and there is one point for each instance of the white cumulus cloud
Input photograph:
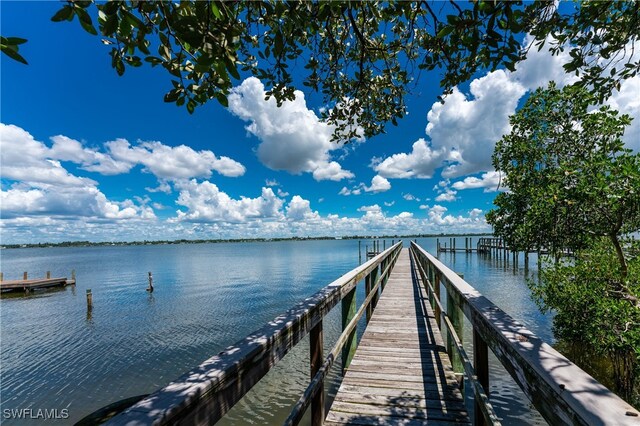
x,y
378,184
292,137
205,202
180,162
420,163
490,181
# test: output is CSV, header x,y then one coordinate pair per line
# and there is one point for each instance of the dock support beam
x,y
316,357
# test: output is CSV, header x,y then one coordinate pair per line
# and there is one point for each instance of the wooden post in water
x,y
359,252
150,288
481,367
437,245
89,299
348,313
316,359
73,275
48,274
24,276
1,276
384,245
457,320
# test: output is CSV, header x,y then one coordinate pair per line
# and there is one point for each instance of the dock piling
x,y
73,275
89,299
48,274
1,276
24,275
150,288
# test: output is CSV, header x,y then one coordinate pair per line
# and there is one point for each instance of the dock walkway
x,y
400,373
37,283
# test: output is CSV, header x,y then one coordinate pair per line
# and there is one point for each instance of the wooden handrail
x,y
205,394
317,381
480,396
561,391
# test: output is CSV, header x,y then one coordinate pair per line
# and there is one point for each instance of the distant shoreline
x,y
231,240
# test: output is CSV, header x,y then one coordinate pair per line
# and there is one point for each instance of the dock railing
x,y
204,395
561,391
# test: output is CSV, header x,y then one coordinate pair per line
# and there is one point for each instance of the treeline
x,y
230,240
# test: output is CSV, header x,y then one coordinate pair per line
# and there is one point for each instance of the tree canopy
x,y
364,57
573,186
569,176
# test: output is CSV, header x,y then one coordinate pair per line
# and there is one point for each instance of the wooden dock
x,y
400,373
33,284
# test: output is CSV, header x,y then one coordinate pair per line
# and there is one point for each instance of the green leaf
x,y
231,67
191,106
222,98
445,31
110,25
215,10
63,14
15,41
172,95
119,66
12,52
278,44
85,21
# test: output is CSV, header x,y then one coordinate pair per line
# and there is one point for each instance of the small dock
x,y
400,373
27,285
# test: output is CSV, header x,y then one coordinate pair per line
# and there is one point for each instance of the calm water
x,y
57,355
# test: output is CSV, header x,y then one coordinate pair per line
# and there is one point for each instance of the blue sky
x,y
88,155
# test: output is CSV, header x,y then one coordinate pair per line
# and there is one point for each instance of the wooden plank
x,y
397,410
453,397
338,418
400,373
405,399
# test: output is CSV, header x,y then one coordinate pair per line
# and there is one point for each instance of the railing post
x,y
436,288
481,367
383,266
429,268
317,358
367,290
457,320
374,277
348,312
